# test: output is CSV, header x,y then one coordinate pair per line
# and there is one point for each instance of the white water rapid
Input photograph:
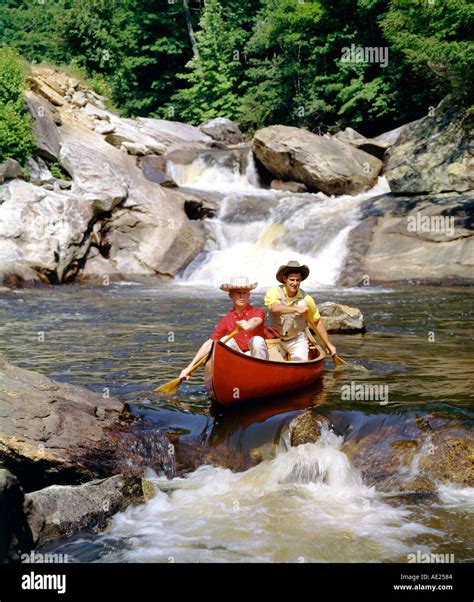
x,y
308,504
256,229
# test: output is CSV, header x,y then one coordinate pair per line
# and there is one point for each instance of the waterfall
x,y
256,230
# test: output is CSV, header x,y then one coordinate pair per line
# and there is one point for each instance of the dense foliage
x,y
258,61
16,134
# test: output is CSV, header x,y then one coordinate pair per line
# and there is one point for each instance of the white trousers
x,y
297,348
257,347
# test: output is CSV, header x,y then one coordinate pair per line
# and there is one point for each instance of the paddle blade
x,y
169,388
338,361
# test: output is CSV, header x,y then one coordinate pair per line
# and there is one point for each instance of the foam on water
x,y
307,504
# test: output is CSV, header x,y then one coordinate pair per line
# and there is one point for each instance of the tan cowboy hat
x,y
290,267
240,283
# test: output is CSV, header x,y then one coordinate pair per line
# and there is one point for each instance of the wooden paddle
x,y
338,361
171,387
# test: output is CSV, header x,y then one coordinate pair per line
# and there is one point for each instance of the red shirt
x,y
229,323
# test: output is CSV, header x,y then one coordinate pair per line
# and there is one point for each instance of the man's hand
x,y
244,325
332,350
184,374
301,309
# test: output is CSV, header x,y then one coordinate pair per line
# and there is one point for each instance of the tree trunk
x,y
190,30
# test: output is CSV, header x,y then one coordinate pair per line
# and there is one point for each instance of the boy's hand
x,y
243,324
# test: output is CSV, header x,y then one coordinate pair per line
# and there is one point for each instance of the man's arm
x,y
202,352
280,309
323,335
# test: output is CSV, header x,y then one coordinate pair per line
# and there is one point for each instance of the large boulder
x,y
414,455
67,509
433,154
41,231
57,433
222,130
426,240
139,228
45,129
320,162
373,146
156,136
341,318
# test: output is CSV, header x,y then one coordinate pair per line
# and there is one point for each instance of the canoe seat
x,y
274,351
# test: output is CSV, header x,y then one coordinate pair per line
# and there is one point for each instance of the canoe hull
x,y
232,377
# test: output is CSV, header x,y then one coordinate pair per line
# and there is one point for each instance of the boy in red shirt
x,y
251,338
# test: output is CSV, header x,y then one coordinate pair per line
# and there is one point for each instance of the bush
x,y
16,126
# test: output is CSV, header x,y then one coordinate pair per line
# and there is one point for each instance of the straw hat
x,y
240,283
292,267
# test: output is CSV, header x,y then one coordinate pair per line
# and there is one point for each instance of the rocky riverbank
x,y
79,456
95,203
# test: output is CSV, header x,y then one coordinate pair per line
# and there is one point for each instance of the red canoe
x,y
232,377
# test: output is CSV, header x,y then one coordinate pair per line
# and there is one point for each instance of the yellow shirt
x,y
272,296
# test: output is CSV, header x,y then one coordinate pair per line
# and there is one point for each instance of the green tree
x,y
16,133
215,76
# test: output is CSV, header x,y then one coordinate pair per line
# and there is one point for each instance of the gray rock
x,y
104,128
42,230
154,170
433,154
288,186
39,172
94,111
320,162
136,148
10,169
15,533
45,129
427,240
341,318
69,509
223,130
49,430
79,99
373,146
391,137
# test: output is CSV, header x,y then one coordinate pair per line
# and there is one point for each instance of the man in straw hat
x,y
251,339
290,311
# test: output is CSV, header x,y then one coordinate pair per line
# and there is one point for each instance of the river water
x,y
243,494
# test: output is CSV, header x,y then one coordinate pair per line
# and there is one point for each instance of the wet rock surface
x,y
68,509
54,432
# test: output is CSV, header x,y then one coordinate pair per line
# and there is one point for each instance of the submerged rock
x,y
320,162
306,427
414,455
